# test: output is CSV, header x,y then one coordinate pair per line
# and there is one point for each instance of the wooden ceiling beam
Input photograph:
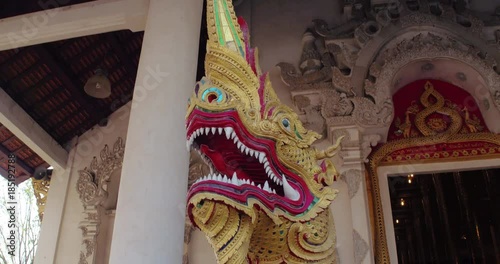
x,y
19,162
16,120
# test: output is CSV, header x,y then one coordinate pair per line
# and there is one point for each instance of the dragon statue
x,y
266,198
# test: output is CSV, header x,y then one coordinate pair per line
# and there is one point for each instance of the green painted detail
x,y
233,28
297,133
218,23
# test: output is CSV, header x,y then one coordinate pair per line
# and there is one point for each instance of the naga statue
x,y
267,197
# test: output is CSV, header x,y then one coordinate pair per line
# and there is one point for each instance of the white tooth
x,y
238,144
266,163
228,131
251,152
225,179
247,150
206,131
235,140
242,148
290,192
248,181
266,187
233,135
256,154
213,130
219,177
274,191
258,186
234,180
252,183
261,157
219,130
268,170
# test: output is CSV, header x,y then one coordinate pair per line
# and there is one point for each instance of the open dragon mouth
x,y
241,165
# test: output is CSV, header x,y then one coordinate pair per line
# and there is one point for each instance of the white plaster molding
x,y
360,247
353,180
14,118
59,23
92,188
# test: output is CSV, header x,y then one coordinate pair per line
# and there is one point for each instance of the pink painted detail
x,y
250,53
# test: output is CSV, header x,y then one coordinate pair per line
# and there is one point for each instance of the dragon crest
x,y
267,196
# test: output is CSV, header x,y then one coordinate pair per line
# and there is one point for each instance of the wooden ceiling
x,y
47,80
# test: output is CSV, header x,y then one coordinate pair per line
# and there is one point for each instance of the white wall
x,y
89,145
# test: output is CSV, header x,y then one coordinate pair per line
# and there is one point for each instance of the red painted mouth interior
x,y
227,159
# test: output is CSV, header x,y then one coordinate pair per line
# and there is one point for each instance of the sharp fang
x,y
256,154
219,177
213,130
207,130
274,191
233,135
219,130
234,180
247,150
268,170
258,186
266,187
225,179
290,192
251,151
238,144
228,131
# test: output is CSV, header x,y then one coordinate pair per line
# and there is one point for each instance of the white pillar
x,y
54,211
149,224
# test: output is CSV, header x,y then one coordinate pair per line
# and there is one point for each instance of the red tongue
x,y
219,163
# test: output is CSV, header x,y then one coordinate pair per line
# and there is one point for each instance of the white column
x,y
54,211
149,223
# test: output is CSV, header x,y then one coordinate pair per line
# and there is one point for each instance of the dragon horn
x,y
329,152
223,27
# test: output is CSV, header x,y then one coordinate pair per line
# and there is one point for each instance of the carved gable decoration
x,y
348,71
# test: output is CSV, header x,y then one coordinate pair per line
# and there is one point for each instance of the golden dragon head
x,y
259,152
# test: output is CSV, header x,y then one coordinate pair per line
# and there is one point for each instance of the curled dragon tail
x,y
228,230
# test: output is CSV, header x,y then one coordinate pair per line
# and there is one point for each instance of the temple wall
x,y
87,146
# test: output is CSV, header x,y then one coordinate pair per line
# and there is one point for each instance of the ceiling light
x,y
98,85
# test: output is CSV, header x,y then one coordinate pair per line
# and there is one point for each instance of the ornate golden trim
x,y
40,190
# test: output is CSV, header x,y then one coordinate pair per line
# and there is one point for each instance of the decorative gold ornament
x,y
41,190
239,126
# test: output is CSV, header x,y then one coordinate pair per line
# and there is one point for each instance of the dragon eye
x,y
286,123
212,94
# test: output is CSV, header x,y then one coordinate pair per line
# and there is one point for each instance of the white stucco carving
x,y
92,186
